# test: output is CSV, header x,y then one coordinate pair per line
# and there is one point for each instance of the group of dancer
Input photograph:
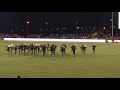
x,y
45,48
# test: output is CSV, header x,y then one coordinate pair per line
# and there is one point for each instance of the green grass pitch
x,y
104,64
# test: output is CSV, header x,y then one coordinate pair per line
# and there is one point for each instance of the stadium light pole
x,y
27,28
112,24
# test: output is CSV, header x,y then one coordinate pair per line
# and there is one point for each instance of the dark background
x,y
17,20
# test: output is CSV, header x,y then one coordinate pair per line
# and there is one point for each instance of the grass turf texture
x,y
104,64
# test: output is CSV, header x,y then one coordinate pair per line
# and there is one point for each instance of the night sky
x,y
17,20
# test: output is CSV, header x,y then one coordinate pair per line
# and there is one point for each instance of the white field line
x,y
16,58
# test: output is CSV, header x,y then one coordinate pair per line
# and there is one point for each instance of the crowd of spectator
x,y
58,36
95,33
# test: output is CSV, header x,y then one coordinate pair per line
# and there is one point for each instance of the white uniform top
x,y
11,45
8,45
75,45
36,44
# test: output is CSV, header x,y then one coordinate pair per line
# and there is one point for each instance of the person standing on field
x,y
84,49
93,48
11,47
63,49
16,47
8,49
73,49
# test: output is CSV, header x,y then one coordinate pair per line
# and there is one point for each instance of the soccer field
x,y
104,64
